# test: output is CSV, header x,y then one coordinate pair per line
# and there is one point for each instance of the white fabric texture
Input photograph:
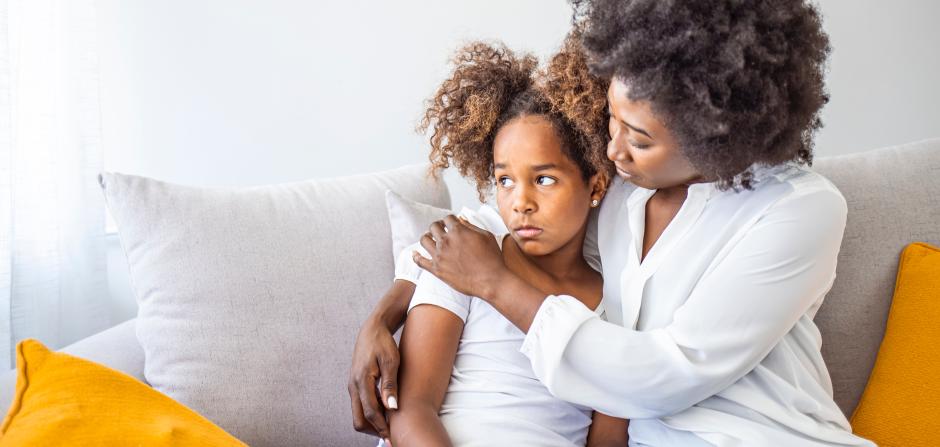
x,y
250,298
494,398
53,272
409,220
711,336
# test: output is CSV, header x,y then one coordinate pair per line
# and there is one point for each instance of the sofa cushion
x,y
250,298
908,366
893,198
65,400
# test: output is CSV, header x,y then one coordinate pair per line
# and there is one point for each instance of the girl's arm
x,y
607,431
428,348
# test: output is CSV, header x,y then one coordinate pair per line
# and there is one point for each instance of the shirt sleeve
x,y
431,290
748,300
405,267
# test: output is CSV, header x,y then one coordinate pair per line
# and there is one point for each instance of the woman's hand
x,y
464,256
375,362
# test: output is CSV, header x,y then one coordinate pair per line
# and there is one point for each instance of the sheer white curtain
x,y
53,272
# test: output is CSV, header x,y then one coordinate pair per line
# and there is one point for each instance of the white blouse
x,y
710,339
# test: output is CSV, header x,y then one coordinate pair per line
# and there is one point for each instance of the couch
x,y
893,197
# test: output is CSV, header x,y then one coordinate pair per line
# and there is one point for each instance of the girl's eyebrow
x,y
544,167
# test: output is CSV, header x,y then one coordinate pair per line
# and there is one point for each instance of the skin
x,y
468,259
544,200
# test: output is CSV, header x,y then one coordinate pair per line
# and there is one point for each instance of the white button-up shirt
x,y
710,339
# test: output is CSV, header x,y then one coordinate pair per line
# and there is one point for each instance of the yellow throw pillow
x,y
63,400
901,404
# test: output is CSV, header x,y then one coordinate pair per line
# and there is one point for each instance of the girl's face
x,y
542,196
643,149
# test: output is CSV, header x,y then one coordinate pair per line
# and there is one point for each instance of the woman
x,y
718,247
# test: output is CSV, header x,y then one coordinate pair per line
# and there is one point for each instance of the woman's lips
x,y
623,173
528,232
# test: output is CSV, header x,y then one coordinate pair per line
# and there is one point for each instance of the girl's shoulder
x,y
487,218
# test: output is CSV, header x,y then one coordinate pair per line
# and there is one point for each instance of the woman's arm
x,y
375,360
738,312
428,348
741,308
607,431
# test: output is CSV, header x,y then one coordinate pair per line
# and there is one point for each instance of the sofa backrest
x,y
893,197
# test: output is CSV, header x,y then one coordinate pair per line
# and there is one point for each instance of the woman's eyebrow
x,y
544,167
637,129
610,111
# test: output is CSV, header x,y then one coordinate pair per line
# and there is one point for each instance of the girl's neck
x,y
559,266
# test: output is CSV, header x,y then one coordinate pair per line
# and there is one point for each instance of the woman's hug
x,y
657,251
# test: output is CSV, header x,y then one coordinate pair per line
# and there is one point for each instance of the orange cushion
x,y
63,400
901,403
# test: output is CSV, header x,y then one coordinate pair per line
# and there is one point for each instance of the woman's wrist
x,y
513,297
490,285
390,311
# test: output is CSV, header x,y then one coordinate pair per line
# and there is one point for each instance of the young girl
x,y
540,137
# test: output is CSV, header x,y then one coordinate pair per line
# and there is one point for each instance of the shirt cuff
x,y
556,321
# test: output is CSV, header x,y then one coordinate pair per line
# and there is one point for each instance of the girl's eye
x,y
545,180
638,145
505,182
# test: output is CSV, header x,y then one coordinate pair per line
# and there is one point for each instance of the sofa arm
x,y
116,348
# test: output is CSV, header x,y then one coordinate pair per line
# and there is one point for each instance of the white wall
x,y
241,92
884,75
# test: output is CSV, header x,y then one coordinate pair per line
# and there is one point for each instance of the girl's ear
x,y
599,184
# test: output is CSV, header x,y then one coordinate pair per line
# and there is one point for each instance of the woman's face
x,y
542,196
643,149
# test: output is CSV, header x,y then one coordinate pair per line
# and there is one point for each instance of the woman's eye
x,y
505,182
545,180
638,145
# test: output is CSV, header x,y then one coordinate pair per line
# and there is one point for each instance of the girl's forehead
x,y
530,145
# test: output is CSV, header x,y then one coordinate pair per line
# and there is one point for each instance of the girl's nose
x,y
522,201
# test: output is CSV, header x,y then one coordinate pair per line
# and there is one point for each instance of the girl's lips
x,y
528,232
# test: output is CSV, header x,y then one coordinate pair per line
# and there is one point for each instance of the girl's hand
x,y
464,256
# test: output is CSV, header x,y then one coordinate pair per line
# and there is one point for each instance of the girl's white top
x,y
494,398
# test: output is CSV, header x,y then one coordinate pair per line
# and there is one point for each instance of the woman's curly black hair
x,y
491,85
738,82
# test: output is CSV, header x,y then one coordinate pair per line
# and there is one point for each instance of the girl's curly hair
x,y
738,82
491,86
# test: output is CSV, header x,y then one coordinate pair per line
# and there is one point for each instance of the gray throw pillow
x,y
250,298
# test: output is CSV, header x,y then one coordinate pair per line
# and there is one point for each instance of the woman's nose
x,y
617,150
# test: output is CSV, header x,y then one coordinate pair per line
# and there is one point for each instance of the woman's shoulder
x,y
806,185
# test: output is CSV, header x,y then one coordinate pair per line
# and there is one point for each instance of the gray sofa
x,y
893,196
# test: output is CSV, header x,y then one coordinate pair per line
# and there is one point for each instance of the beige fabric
x,y
893,197
250,298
